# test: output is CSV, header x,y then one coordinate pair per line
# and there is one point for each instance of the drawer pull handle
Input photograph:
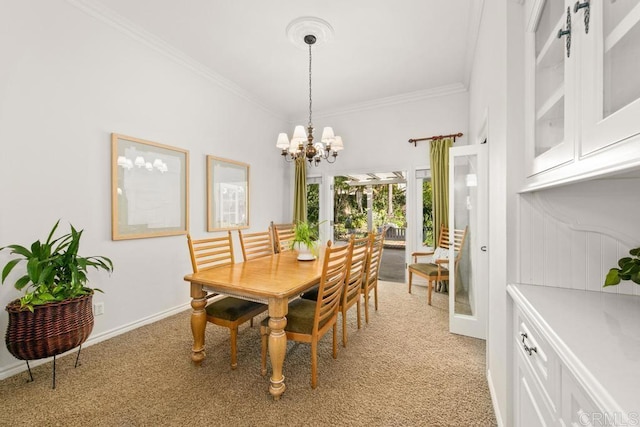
x,y
528,349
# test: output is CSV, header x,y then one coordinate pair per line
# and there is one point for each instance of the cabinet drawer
x,y
531,408
539,357
579,410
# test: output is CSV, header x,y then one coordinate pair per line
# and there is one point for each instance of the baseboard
x,y
20,366
494,400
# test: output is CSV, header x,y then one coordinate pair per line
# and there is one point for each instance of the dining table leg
x,y
198,322
278,308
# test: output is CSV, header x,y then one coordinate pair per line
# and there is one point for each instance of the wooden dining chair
x,y
370,281
308,321
256,245
436,268
282,236
353,282
229,312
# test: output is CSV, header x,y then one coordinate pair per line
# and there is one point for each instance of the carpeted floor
x,y
402,369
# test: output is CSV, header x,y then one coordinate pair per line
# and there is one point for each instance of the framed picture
x,y
149,189
227,194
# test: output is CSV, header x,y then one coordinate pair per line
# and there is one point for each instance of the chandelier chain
x,y
310,102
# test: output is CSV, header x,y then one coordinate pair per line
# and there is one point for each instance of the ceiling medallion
x,y
309,25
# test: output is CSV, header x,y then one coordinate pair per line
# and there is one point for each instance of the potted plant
x,y
629,269
305,239
55,313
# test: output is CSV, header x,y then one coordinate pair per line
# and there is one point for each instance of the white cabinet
x,y
574,357
582,86
610,73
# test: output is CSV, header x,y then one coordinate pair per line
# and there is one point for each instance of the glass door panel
x,y
610,73
548,122
549,79
468,286
621,32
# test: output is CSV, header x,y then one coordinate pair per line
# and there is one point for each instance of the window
x,y
425,207
313,202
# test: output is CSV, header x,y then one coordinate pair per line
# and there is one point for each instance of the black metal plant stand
x,y
54,367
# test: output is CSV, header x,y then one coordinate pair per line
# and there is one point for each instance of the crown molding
x,y
404,98
118,22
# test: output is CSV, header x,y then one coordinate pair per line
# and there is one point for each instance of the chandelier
x,y
301,144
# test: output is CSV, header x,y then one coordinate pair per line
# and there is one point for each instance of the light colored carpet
x,y
402,369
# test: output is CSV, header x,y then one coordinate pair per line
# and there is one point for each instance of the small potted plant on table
x,y
305,240
55,314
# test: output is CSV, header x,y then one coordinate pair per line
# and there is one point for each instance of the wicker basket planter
x,y
50,330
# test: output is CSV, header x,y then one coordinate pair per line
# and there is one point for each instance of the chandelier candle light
x,y
301,144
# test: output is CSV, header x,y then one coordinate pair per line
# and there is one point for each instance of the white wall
x,y
490,106
67,81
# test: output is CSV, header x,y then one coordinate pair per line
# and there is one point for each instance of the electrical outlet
x,y
98,309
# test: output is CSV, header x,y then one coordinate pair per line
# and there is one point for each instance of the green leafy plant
x,y
54,270
306,233
629,269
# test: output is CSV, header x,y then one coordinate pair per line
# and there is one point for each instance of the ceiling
x,y
379,49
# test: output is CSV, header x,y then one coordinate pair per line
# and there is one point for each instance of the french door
x,y
468,283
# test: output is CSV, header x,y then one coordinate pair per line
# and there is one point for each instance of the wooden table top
x,y
277,276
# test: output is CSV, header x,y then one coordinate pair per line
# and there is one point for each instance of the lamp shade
x,y
299,135
283,141
337,144
471,180
327,135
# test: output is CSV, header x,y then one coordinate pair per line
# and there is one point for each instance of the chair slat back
x,y
210,253
356,272
337,260
376,243
282,236
256,245
457,238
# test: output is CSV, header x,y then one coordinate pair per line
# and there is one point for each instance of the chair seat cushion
x,y
311,294
429,270
300,317
230,308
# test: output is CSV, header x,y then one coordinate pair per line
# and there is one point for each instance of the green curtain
x,y
439,156
300,191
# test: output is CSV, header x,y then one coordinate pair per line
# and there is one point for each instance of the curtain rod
x,y
433,138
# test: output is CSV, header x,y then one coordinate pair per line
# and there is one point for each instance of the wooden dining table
x,y
273,280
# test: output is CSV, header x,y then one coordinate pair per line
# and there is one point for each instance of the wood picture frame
x,y
227,194
149,189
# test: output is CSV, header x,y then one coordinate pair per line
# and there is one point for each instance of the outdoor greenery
x,y
54,270
629,269
313,203
427,213
350,207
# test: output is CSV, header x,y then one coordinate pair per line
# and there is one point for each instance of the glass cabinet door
x,y
610,72
549,118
